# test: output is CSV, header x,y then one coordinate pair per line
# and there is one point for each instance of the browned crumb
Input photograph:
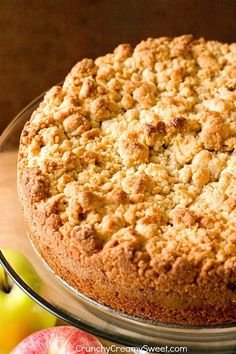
x,y
136,149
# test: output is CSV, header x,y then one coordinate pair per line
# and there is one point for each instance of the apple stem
x,y
6,285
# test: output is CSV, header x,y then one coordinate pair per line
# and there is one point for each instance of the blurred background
x,y
40,40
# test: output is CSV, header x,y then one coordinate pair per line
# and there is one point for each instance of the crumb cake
x,y
127,180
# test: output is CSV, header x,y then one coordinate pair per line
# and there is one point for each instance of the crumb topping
x,y
140,144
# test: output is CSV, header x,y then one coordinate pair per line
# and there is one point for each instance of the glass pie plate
x,y
67,303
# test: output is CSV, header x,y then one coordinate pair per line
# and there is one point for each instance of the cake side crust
x,y
127,175
207,301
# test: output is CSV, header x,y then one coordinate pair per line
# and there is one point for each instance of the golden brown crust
x,y
126,176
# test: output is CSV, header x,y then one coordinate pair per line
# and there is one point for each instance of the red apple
x,y
59,340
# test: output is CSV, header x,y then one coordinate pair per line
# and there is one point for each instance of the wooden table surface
x,y
11,222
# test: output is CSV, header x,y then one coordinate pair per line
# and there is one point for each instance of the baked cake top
x,y
138,147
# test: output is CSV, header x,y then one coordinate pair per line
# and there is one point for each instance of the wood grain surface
x,y
41,39
11,221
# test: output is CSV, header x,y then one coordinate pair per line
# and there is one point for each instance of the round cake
x,y
127,180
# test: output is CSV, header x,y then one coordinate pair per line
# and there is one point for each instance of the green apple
x,y
19,315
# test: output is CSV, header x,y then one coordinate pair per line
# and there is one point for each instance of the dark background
x,y
40,40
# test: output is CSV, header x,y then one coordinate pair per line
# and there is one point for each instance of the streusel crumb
x,y
137,149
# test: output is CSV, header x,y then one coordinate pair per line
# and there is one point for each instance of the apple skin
x,y
59,340
20,316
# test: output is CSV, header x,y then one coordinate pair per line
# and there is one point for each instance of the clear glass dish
x,y
71,306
